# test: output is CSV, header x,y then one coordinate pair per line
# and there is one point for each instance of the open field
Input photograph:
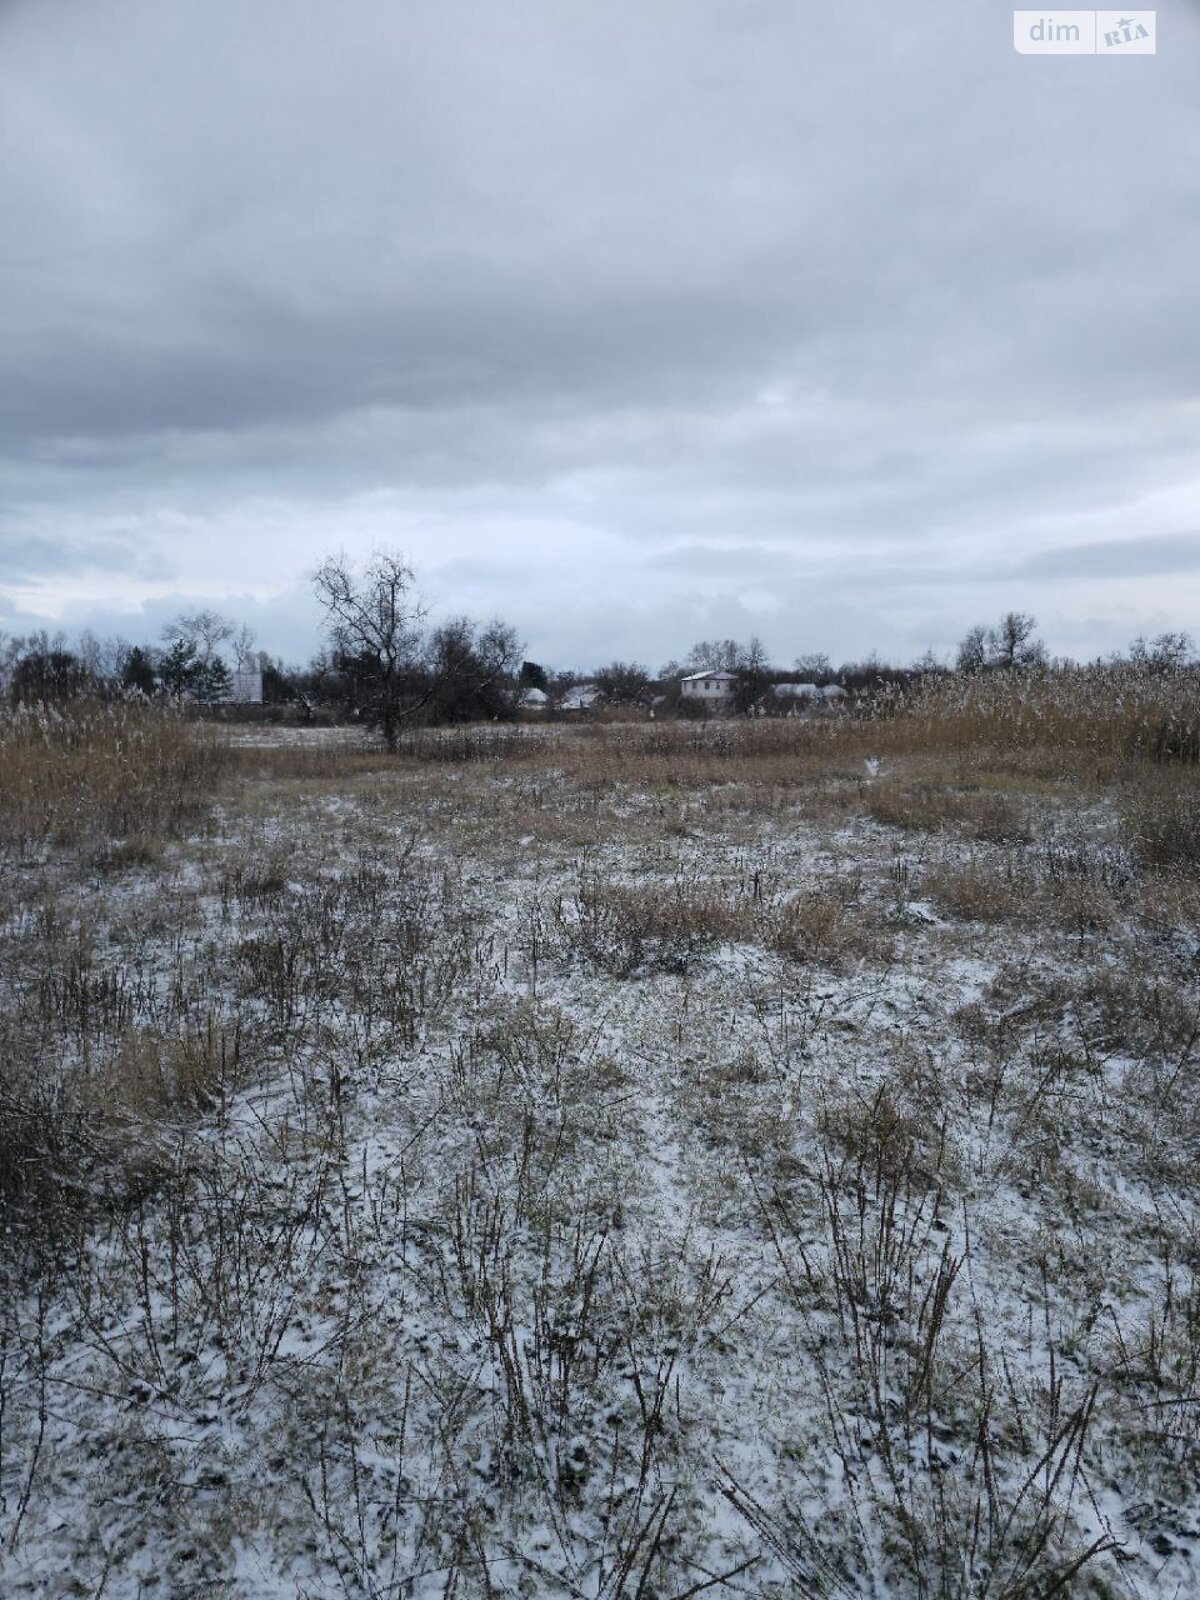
x,y
628,1160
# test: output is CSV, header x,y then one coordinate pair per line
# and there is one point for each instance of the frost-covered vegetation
x,y
757,1158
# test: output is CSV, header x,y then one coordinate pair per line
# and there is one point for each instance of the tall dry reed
x,y
92,771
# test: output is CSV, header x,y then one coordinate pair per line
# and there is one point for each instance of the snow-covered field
x,y
611,1171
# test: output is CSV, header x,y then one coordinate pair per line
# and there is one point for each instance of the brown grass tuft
x,y
99,773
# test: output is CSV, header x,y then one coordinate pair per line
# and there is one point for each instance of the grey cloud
x,y
736,288
723,561
1149,555
25,557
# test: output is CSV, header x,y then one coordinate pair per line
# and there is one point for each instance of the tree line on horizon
x,y
385,665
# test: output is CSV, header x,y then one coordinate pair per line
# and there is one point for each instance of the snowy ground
x,y
543,1177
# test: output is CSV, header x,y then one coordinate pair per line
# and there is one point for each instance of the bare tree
x,y
472,670
375,623
206,631
1012,642
1167,653
972,653
621,683
753,667
90,651
813,664
104,658
929,664
244,653
714,655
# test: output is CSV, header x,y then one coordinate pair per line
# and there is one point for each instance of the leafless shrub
x,y
1169,906
1143,1014
816,926
741,1110
1162,824
45,1139
1155,1367
536,1092
1083,907
978,890
99,1047
83,1140
487,742
375,943
215,1269
626,929
947,1492
583,1342
885,1141
151,1073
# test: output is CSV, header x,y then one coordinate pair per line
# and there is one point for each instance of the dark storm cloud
x,y
684,307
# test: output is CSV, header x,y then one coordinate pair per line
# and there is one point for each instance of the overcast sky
x,y
632,323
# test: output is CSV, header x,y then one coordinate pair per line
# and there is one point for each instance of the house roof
x,y
582,697
713,672
797,691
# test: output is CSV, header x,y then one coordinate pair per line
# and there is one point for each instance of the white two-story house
x,y
713,689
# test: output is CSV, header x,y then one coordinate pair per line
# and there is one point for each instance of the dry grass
x,y
416,1165
816,926
626,929
104,773
928,807
1072,715
978,891
1161,821
994,890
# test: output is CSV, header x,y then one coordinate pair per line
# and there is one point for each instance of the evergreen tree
x,y
179,669
212,684
138,671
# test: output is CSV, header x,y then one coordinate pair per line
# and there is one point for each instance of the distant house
x,y
798,692
532,700
800,699
245,687
581,697
713,689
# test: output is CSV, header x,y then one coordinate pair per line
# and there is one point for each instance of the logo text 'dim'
x,y
1084,33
